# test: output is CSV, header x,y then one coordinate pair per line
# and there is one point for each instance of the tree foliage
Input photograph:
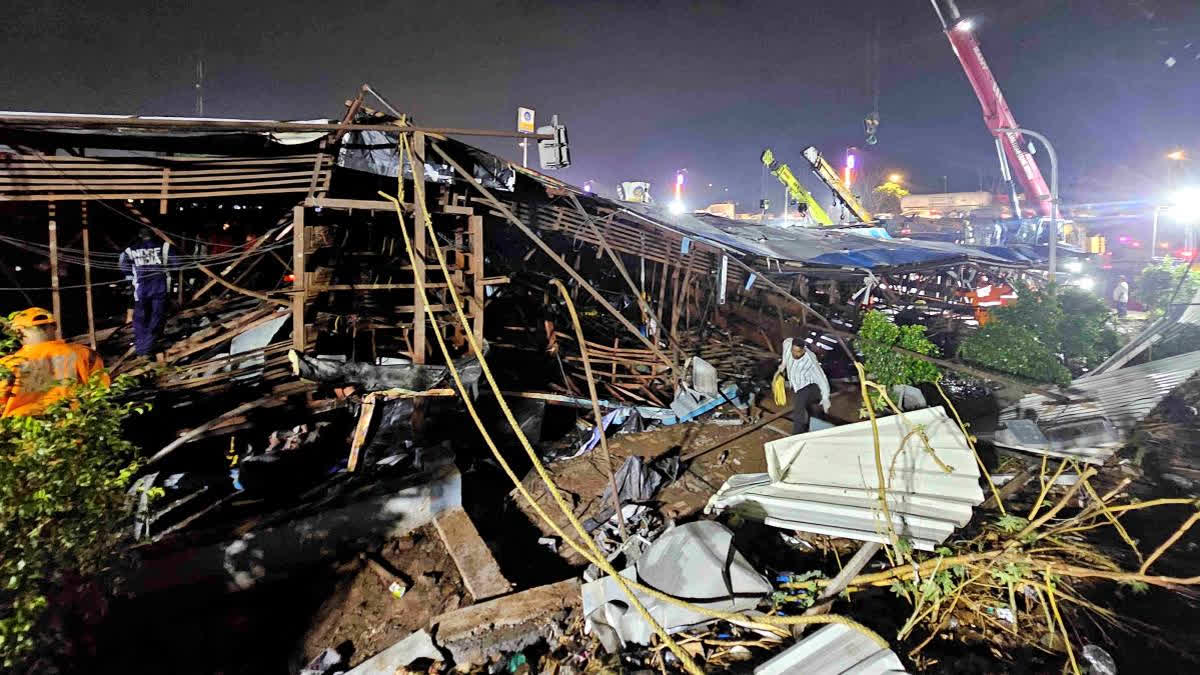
x,y
63,480
877,334
1157,284
1043,333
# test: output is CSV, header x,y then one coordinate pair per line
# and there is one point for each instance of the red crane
x,y
996,113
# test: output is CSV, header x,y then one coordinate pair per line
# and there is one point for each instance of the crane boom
x,y
784,173
996,113
829,176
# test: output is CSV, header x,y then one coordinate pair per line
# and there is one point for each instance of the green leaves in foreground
x,y
63,477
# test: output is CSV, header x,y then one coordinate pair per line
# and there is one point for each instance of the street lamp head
x,y
895,178
1177,155
965,25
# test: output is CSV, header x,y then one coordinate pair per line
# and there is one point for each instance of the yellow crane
x,y
829,176
795,189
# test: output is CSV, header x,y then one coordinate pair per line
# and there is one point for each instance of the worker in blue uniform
x,y
145,263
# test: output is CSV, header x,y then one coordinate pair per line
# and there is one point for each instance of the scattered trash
x,y
637,481
324,664
549,542
1099,661
695,561
515,662
1004,614
397,589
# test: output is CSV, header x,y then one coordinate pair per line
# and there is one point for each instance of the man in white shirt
x,y
1121,296
806,379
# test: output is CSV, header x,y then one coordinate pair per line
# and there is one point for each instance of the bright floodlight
x,y
1185,205
1176,155
1086,283
1074,267
895,178
965,25
676,207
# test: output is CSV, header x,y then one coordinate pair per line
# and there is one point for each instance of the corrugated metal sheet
x,y
833,650
1124,397
826,482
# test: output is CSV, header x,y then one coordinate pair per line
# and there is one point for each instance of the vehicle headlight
x,y
1086,283
1075,267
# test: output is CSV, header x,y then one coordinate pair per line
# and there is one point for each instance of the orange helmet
x,y
34,316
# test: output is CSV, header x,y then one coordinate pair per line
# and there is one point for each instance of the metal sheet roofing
x,y
826,482
833,650
1124,397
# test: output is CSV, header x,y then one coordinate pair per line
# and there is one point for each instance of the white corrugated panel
x,y
833,650
1125,397
826,481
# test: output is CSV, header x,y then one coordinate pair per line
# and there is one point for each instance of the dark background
x,y
649,87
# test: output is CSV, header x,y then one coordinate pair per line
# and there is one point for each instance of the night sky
x,y
650,87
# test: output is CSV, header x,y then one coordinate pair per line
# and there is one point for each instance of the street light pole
x,y
1154,234
1053,189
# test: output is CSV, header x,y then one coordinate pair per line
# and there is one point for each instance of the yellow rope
x,y
765,622
419,199
971,443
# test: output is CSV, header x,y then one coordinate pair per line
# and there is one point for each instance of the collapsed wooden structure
x,y
323,268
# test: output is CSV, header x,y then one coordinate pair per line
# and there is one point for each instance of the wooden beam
x,y
299,285
365,415
87,274
475,237
254,246
545,248
638,293
366,204
132,122
56,297
419,318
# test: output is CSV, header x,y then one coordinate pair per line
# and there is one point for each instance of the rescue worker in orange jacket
x,y
43,370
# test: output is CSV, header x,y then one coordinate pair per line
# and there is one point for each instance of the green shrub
x,y
1010,348
1157,284
63,480
885,366
1043,333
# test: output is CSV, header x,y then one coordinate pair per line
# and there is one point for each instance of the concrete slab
x,y
505,624
418,645
475,562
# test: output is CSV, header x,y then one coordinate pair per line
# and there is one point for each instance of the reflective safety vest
x,y
44,373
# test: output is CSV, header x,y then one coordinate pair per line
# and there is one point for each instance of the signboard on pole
x,y
525,123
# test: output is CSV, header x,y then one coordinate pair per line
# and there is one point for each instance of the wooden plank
x,y
87,274
56,297
72,163
152,173
163,177
365,416
369,204
478,568
229,268
419,319
299,289
317,288
316,170
475,230
67,196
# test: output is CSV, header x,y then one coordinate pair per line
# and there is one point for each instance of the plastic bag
x,y
779,389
